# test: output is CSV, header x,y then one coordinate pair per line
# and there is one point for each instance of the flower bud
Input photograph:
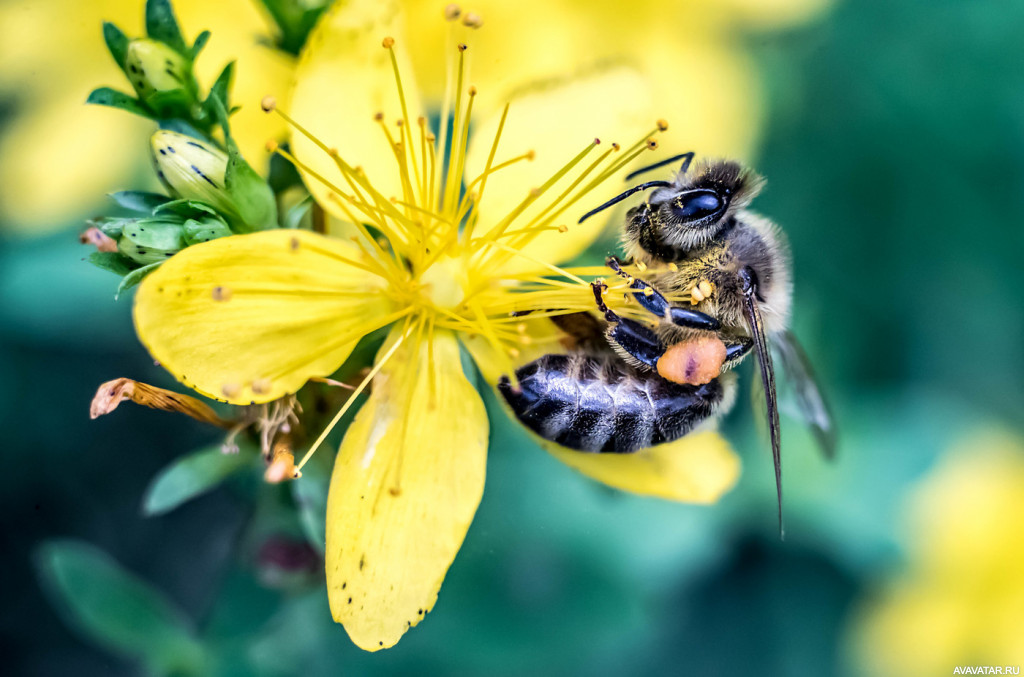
x,y
156,71
197,170
192,169
148,241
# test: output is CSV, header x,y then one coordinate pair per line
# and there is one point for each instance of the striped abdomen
x,y
596,404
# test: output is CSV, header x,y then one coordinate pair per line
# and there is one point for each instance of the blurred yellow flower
x,y
52,55
58,157
960,601
431,251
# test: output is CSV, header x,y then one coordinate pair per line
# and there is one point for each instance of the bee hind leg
x,y
652,301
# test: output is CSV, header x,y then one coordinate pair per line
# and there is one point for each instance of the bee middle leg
x,y
651,299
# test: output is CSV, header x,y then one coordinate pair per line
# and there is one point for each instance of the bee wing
x,y
811,404
764,360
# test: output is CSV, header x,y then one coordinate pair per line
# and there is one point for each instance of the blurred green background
x,y
893,142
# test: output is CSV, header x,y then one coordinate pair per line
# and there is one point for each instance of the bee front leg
x,y
635,342
652,300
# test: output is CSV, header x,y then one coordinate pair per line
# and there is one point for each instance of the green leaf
x,y
161,25
106,96
220,91
115,262
138,200
115,609
135,277
117,43
310,494
198,45
191,476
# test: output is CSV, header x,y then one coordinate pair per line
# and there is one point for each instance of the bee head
x,y
694,209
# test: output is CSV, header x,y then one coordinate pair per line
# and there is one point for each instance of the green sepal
x,y
111,226
135,277
118,610
199,231
117,43
189,209
106,96
198,45
171,103
163,26
114,262
149,241
191,476
219,92
294,216
252,197
139,200
294,19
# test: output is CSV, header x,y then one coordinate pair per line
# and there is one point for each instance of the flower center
x,y
444,283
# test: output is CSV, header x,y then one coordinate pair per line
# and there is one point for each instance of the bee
x,y
629,386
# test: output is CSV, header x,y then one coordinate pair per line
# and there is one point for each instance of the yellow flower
x,y
52,54
433,255
960,601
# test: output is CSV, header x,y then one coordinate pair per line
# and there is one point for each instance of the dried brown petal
x,y
282,463
98,239
112,393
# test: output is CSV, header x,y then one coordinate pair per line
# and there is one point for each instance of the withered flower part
x,y
112,393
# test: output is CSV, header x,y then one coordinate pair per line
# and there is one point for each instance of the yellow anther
x,y
230,389
261,386
648,291
641,266
452,12
673,267
652,144
662,125
271,146
268,104
472,20
388,42
563,228
462,47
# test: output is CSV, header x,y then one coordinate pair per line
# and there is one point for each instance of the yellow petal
x,y
697,468
343,79
406,483
557,121
249,318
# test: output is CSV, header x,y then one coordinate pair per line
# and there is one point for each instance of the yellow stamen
x,y
351,400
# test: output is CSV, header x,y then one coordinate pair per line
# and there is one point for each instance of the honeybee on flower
x,y
416,249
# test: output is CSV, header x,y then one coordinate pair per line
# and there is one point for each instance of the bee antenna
x,y
622,196
682,170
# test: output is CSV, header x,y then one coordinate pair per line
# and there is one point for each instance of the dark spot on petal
x,y
362,561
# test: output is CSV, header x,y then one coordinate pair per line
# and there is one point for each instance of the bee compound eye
x,y
697,205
